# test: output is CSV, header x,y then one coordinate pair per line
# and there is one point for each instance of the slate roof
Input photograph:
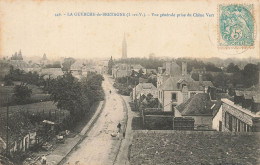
x,y
172,84
199,104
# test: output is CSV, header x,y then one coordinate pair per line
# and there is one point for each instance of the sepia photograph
x,y
125,82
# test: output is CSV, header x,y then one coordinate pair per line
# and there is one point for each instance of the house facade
x,y
176,90
169,69
235,118
51,72
217,120
144,89
121,70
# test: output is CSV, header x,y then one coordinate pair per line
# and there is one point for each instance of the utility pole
x,y
127,81
135,96
7,128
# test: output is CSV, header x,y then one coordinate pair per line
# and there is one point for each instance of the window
x,y
230,122
220,126
238,126
226,119
249,129
235,123
244,127
174,97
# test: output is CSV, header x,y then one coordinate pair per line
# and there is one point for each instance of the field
x,y
192,147
6,92
40,108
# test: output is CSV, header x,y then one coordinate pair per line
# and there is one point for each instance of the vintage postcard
x,y
115,82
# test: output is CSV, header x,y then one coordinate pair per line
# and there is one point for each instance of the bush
x,y
9,82
22,93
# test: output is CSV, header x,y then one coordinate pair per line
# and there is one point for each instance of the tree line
x,y
76,96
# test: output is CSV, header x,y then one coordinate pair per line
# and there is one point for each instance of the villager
x,y
119,127
44,159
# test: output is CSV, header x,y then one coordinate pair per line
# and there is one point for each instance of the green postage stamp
x,y
236,26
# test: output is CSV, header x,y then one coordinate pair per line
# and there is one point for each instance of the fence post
x,y
143,118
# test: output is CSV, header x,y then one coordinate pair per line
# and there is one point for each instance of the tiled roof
x,y
142,86
199,104
172,84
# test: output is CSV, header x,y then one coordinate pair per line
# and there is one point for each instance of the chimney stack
x,y
184,68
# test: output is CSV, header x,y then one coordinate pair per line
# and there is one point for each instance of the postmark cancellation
x,y
236,26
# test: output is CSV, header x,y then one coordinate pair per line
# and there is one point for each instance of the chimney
x,y
184,68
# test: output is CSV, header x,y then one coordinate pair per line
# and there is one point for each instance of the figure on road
x,y
44,159
110,91
119,127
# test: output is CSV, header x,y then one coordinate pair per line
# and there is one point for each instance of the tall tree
x,y
75,96
67,63
232,68
110,65
250,75
22,93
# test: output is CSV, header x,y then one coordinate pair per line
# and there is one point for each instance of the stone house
x,y
51,72
242,114
198,70
199,107
144,89
137,67
178,89
121,70
217,120
169,69
151,71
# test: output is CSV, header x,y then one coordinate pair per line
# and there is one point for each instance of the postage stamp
x,y
236,26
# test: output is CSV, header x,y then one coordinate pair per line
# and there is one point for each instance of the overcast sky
x,y
33,28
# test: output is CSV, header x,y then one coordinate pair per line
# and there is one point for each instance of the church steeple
x,y
124,48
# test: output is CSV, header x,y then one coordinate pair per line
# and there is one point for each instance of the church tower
x,y
124,49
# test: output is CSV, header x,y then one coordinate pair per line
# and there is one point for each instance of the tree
x,y
110,65
221,80
212,68
66,93
22,93
232,68
140,73
67,63
250,75
153,81
74,96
